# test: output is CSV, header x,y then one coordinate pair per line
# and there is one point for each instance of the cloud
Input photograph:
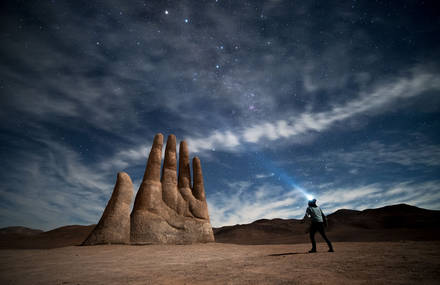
x,y
134,52
53,187
262,175
423,194
409,152
177,75
378,100
217,140
127,158
349,195
245,202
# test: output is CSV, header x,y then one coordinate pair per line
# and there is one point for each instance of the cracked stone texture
x,y
168,209
114,225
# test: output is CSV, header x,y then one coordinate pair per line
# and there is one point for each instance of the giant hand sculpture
x,y
168,209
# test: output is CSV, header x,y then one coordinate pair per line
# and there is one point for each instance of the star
x,y
186,20
166,12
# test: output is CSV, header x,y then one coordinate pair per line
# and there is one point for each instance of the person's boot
x,y
331,249
312,250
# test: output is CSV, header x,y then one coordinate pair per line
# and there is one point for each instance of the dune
x,y
59,237
23,231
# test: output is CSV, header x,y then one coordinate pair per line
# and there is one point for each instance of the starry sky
x,y
279,99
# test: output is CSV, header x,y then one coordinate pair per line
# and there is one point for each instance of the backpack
x,y
324,218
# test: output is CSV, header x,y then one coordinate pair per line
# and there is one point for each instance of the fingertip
x,y
158,139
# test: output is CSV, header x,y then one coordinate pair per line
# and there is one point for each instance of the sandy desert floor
x,y
216,263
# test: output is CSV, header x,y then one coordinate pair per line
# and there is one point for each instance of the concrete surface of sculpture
x,y
168,209
114,225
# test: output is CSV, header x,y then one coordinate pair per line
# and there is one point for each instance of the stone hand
x,y
169,209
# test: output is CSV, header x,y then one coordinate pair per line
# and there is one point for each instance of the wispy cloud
x,y
375,152
126,158
222,140
424,194
55,188
377,101
245,202
264,175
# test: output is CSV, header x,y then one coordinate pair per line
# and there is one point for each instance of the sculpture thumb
x,y
114,225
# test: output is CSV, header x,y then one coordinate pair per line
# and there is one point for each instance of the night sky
x,y
279,99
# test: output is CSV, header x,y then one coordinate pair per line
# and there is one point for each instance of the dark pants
x,y
318,227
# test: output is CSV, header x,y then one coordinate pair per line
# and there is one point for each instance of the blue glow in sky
x,y
282,175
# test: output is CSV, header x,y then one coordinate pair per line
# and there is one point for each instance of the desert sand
x,y
412,262
396,244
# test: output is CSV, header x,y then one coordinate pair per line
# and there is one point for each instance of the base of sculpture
x,y
149,228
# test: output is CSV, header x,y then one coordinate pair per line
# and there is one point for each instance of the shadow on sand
x,y
287,253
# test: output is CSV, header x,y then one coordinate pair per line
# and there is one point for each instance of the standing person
x,y
318,222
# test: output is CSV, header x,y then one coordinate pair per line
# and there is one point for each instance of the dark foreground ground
x,y
413,262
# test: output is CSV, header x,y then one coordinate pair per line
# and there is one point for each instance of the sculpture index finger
x,y
152,171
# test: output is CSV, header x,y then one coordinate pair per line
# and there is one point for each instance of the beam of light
x,y
283,176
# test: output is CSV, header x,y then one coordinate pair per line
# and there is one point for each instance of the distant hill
x,y
19,231
390,223
59,237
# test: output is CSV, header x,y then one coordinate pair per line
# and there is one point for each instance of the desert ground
x,y
396,244
411,262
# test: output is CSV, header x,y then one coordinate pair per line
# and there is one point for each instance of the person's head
x,y
312,203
